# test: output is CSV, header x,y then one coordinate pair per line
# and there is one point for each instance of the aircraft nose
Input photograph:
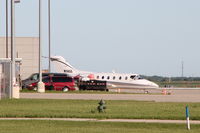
x,y
151,84
154,85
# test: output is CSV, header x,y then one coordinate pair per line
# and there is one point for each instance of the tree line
x,y
166,79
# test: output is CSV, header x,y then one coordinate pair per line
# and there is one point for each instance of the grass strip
x,y
52,108
33,126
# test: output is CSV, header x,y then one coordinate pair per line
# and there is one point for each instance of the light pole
x,y
6,28
41,87
14,93
49,9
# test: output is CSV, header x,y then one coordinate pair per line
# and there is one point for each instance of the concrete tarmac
x,y
176,95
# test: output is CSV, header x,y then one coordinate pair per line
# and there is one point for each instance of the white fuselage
x,y
119,80
127,81
114,80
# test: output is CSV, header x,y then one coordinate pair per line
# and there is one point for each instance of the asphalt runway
x,y
176,95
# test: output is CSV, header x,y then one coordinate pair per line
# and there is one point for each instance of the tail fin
x,y
62,66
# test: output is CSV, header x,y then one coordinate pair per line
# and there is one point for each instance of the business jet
x,y
114,80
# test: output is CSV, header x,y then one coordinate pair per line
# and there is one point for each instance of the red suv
x,y
61,83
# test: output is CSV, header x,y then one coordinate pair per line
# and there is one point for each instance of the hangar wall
x,y
27,48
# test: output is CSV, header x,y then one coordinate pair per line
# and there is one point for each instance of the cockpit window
x,y
132,76
136,77
139,77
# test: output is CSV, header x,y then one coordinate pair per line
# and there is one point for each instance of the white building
x,y
27,48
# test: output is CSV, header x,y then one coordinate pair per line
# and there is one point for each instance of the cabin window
x,y
97,77
108,77
113,77
120,78
126,78
102,77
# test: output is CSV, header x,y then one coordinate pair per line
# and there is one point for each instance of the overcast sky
x,y
150,37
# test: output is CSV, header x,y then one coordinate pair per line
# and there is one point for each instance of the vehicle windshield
x,y
35,77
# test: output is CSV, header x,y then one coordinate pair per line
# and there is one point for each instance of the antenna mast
x,y
182,74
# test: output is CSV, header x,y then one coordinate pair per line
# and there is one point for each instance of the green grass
x,y
31,126
87,109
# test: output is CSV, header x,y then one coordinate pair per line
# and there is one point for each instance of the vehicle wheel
x,y
65,89
51,87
